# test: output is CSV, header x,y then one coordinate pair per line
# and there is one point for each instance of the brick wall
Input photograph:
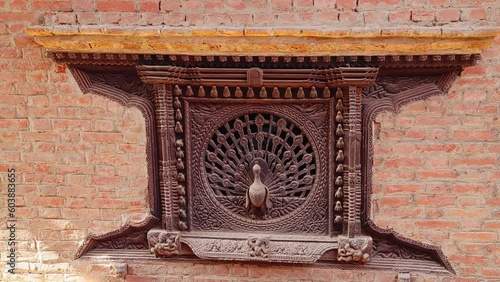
x,y
80,159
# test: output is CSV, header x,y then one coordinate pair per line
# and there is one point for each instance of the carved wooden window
x,y
264,159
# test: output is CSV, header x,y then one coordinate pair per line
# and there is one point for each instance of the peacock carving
x,y
257,197
260,166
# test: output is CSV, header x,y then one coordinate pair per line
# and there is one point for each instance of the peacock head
x,y
256,169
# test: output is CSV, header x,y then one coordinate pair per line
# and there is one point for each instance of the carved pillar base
x,y
164,243
357,249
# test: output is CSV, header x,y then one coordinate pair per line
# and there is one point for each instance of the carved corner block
x,y
357,249
163,243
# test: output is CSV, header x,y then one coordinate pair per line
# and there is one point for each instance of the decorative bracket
x,y
357,249
164,243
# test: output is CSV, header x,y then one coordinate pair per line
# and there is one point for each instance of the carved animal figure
x,y
257,196
258,247
168,245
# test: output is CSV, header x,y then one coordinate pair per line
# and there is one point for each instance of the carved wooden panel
x,y
290,149
265,158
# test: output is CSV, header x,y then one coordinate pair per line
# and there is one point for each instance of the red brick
x,y
475,236
13,76
287,18
400,16
170,5
153,18
327,17
84,5
49,201
327,4
218,270
448,15
281,5
110,18
473,135
378,3
66,18
255,271
213,5
405,188
438,174
474,95
238,270
434,200
346,4
471,188
107,203
394,201
440,3
303,4
60,6
473,161
404,162
107,181
436,148
101,137
375,17
478,83
44,147
220,19
467,213
473,14
473,148
475,71
115,6
149,6
422,16
491,272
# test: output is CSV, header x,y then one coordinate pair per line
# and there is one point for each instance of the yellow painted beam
x,y
264,40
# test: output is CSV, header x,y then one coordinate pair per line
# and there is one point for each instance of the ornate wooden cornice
x,y
321,40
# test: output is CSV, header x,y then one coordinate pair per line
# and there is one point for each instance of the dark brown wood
x,y
265,159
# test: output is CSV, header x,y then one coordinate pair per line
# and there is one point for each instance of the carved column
x,y
165,243
353,246
166,135
353,162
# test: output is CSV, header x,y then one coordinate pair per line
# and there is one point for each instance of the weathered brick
x,y
422,15
473,14
281,5
115,6
378,3
448,15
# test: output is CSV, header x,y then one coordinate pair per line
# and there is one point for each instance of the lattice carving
x,y
267,144
239,138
